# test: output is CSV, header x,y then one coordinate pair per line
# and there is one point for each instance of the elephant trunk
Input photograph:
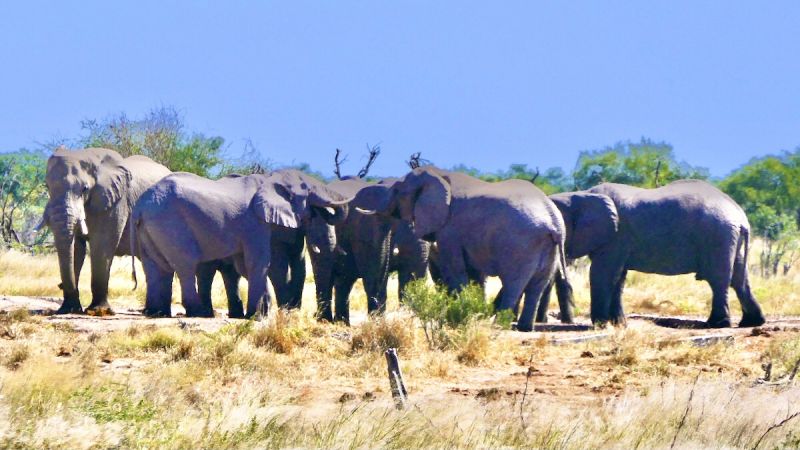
x,y
64,221
339,214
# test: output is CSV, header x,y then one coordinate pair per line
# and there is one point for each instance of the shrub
x,y
437,309
381,333
280,334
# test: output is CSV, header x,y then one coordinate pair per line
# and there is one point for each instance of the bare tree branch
x,y
373,155
685,412
775,426
415,161
338,162
535,176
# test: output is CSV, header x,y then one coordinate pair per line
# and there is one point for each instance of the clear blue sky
x,y
483,83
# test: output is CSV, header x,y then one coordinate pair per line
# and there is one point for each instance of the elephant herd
x,y
458,227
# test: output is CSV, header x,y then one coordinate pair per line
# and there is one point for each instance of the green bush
x,y
437,309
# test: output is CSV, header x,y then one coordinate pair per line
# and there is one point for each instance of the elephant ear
x,y
274,204
324,199
374,197
595,222
113,182
432,206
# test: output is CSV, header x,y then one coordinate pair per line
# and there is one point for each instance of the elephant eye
x,y
85,188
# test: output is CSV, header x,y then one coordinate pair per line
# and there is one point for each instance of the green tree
x,y
23,196
159,135
645,164
768,189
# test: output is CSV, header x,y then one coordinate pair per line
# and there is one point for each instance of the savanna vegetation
x,y
290,381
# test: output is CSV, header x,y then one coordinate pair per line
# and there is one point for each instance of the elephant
x,y
363,251
409,256
92,192
287,269
687,226
563,289
508,229
184,220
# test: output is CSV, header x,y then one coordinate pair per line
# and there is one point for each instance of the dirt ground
x,y
574,375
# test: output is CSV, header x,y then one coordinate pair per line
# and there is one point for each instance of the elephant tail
x,y
744,240
132,226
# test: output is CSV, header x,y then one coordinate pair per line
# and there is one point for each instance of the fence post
x,y
399,392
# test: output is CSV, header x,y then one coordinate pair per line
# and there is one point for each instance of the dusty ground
x,y
572,375
127,381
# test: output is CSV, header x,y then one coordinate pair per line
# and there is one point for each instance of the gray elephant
x,y
686,226
92,192
563,289
508,229
185,220
369,247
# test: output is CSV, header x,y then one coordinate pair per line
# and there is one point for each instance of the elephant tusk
x,y
340,251
314,249
83,227
395,251
366,212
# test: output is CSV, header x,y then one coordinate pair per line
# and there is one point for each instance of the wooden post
x,y
399,392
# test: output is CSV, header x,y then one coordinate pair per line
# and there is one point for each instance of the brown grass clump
x,y
473,343
280,333
381,333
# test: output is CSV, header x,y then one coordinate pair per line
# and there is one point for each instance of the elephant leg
x,y
257,262
752,316
231,279
191,298
279,275
297,279
603,275
544,304
616,312
404,276
158,302
72,302
533,293
205,278
101,254
566,300
720,311
322,265
343,286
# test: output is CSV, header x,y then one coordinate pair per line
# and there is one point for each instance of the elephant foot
x,y
524,327
70,306
753,320
199,312
724,322
236,314
619,321
100,309
156,313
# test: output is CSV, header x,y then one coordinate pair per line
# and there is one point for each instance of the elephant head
x,y
421,198
79,181
591,220
293,199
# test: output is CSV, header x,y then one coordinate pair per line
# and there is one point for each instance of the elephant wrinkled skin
x,y
185,220
92,192
686,226
508,229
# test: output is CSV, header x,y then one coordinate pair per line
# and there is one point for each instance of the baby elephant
x,y
184,220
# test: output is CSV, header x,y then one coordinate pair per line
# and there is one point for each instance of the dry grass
x,y
290,381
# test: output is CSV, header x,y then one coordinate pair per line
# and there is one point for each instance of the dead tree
x,y
535,176
338,162
415,161
373,155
